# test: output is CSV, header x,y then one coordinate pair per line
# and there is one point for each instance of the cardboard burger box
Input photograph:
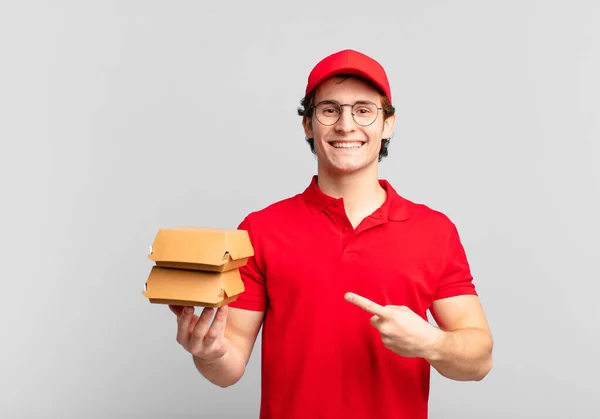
x,y
197,266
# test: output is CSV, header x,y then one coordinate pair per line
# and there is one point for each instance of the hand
x,y
203,340
401,329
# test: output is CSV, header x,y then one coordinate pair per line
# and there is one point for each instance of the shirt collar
x,y
395,207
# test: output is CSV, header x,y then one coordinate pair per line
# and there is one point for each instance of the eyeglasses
x,y
328,112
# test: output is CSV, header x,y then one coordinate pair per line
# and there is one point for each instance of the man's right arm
x,y
220,350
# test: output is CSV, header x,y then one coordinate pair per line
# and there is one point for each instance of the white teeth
x,y
346,145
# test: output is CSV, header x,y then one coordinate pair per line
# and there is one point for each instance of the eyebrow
x,y
363,101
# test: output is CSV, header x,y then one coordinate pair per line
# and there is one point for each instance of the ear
x,y
307,124
388,127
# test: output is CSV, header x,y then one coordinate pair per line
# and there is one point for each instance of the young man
x,y
343,274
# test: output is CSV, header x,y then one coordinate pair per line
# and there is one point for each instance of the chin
x,y
344,169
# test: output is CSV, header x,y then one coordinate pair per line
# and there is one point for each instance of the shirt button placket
x,y
347,236
347,251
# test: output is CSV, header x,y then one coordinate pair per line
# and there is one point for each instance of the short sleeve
x,y
254,297
456,278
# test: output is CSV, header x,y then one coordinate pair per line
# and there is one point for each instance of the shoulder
x,y
266,226
425,213
419,212
434,229
274,214
429,221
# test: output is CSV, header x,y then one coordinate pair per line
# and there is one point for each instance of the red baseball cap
x,y
349,62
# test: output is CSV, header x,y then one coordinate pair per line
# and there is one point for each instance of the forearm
x,y
226,370
462,355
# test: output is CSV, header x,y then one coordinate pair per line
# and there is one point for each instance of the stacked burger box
x,y
197,266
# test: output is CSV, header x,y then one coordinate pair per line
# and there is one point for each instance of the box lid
x,y
209,246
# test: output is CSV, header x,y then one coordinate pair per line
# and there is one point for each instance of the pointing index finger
x,y
366,304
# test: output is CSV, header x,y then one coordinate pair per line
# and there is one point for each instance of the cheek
x,y
320,133
374,136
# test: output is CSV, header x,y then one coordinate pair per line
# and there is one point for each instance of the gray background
x,y
118,118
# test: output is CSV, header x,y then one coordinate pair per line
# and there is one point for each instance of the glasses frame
x,y
352,105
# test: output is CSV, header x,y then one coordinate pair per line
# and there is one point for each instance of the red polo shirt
x,y
321,358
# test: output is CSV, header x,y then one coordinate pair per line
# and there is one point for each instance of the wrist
x,y
435,346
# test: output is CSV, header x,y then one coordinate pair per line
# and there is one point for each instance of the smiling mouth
x,y
347,145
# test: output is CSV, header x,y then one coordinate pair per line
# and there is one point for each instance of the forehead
x,y
346,90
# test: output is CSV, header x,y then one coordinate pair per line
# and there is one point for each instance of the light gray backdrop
x,y
118,118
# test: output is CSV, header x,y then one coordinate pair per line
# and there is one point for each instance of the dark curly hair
x,y
305,110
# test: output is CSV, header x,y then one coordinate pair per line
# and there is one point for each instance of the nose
x,y
346,122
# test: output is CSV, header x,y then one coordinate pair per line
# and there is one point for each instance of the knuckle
x,y
212,334
198,334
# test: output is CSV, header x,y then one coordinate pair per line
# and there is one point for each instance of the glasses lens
x,y
328,113
364,113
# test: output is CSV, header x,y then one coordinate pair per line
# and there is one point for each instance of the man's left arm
x,y
460,348
463,349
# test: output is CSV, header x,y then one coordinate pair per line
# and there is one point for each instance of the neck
x,y
361,191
